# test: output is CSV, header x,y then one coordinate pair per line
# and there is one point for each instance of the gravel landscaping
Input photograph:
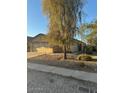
x,y
56,60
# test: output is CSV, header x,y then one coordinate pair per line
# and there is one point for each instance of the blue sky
x,y
38,23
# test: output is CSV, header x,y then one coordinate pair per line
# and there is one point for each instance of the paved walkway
x,y
64,72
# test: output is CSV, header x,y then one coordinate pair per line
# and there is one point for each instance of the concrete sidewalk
x,y
64,72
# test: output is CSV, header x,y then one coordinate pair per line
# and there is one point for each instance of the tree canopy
x,y
88,31
64,16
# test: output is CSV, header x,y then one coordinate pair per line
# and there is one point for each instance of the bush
x,y
89,49
84,58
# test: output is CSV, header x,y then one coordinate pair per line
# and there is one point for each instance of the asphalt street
x,y
42,82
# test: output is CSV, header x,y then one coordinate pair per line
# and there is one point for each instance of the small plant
x,y
84,58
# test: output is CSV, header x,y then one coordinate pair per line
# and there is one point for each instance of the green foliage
x,y
92,37
84,57
88,32
88,49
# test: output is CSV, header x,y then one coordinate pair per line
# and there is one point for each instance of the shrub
x,y
89,49
84,58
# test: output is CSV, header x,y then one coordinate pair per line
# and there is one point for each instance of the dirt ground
x,y
70,63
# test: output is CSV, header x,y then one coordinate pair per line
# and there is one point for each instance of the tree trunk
x,y
64,49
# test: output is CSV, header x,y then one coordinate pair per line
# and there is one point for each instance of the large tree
x,y
64,18
88,32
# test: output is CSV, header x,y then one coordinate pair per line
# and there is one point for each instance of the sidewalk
x,y
64,72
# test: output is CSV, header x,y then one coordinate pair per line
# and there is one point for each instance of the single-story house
x,y
37,44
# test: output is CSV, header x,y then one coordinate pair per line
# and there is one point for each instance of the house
x,y
38,44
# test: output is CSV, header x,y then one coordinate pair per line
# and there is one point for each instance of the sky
x,y
38,23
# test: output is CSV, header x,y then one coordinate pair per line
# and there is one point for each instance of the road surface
x,y
41,82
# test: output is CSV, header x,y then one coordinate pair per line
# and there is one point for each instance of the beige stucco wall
x,y
74,48
44,50
33,54
40,51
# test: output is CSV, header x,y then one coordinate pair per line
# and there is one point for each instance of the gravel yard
x,y
55,60
40,82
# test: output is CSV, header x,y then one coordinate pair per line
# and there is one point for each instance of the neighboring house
x,y
37,44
